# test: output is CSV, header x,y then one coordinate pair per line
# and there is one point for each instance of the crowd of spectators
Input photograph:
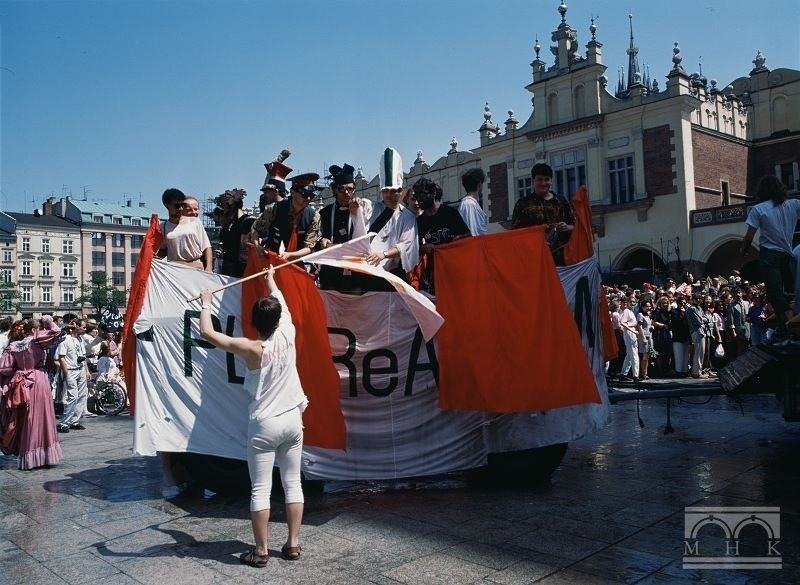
x,y
692,328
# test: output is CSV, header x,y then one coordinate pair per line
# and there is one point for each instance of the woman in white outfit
x,y
275,431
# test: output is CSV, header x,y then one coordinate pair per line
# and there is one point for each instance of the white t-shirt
x,y
777,223
186,240
473,215
70,348
275,388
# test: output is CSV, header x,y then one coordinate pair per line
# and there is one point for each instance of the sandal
x,y
291,553
254,560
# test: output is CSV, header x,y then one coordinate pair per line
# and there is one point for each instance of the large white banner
x,y
190,398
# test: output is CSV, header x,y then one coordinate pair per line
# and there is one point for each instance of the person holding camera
x,y
75,372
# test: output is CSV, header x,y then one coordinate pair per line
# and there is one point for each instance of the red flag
x,y
150,245
509,341
581,242
610,347
323,419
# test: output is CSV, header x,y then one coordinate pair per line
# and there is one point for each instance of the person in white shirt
x,y
185,238
72,361
630,332
776,217
395,247
470,207
277,401
5,326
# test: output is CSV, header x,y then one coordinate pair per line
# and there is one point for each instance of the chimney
x,y
129,203
141,203
47,206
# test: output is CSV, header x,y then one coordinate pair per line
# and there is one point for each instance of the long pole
x,y
308,258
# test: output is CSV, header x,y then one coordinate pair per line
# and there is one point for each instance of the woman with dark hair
x,y
777,218
662,339
277,401
27,417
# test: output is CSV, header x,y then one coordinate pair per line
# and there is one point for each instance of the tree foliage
x,y
9,297
100,291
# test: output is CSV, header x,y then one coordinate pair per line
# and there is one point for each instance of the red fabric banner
x,y
323,420
509,341
150,245
610,346
581,242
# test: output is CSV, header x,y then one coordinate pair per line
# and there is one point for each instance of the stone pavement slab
x,y
612,513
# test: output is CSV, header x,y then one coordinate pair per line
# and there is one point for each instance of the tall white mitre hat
x,y
391,169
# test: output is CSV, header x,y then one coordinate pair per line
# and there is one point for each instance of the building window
x,y
118,278
68,270
134,260
136,241
47,294
137,221
97,218
524,187
98,238
5,275
66,247
621,175
116,220
47,269
7,256
46,245
569,171
25,268
118,259
117,240
725,191
787,173
98,258
26,244
27,294
68,294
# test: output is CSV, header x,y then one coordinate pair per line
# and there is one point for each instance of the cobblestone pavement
x,y
612,513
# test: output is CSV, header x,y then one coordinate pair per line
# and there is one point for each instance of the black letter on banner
x,y
414,365
583,301
189,342
345,359
230,359
367,370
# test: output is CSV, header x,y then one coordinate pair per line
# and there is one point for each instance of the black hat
x,y
341,175
305,183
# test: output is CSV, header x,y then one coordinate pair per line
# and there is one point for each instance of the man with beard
x,y
470,207
543,207
438,224
341,221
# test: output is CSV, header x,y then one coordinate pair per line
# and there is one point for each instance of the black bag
x,y
111,319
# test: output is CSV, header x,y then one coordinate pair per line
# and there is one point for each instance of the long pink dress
x,y
22,374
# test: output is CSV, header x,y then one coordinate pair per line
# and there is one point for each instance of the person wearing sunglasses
x,y
341,221
294,225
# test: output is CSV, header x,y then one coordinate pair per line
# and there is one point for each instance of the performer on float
x,y
272,191
341,221
395,247
294,226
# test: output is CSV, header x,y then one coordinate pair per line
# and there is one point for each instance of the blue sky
x,y
130,97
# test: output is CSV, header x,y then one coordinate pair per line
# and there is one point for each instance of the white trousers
x,y
631,354
681,353
276,440
76,392
699,341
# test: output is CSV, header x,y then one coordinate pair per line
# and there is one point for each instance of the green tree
x,y
100,291
9,298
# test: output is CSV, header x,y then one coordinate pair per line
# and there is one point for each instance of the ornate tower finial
x,y
487,113
634,74
420,160
453,146
593,29
562,9
360,173
759,62
677,58
537,47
